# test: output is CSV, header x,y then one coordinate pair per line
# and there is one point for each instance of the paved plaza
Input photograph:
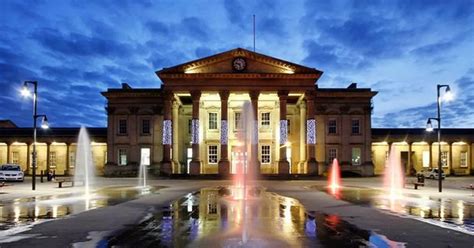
x,y
88,228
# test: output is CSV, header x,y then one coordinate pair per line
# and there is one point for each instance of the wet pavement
x,y
448,213
31,210
211,218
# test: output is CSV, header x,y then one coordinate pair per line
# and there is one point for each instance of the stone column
x,y
283,164
409,162
302,136
311,164
176,165
48,159
28,156
254,167
195,165
450,158
9,151
224,164
167,134
430,145
68,161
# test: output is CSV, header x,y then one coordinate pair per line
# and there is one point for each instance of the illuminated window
x,y
122,156
212,154
146,126
332,154
145,156
238,120
426,159
332,126
355,126
463,159
122,126
356,156
212,121
444,159
52,160
265,154
15,158
265,120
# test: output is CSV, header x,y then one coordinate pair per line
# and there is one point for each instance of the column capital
x,y
309,95
224,95
254,94
283,94
175,104
168,95
195,95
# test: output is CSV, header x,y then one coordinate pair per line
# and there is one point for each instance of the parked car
x,y
432,173
11,172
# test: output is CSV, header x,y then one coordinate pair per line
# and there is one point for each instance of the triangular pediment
x,y
222,63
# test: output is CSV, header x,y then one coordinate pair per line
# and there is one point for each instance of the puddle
x,y
25,211
209,218
454,214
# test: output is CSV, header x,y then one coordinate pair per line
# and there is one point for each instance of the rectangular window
x,y
238,120
212,154
212,121
146,126
332,126
52,160
356,156
266,155
265,120
332,154
15,158
72,159
190,126
355,126
122,126
463,159
122,156
444,159
426,159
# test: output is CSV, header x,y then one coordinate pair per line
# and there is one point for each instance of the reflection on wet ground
x,y
24,211
210,218
455,214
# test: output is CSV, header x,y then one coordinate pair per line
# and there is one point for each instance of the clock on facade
x,y
239,64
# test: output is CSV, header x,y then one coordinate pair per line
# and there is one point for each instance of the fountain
x,y
394,179
84,167
142,175
334,178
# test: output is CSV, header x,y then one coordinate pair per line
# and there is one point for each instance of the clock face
x,y
239,64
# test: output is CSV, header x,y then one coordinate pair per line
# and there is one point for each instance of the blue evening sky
x,y
76,49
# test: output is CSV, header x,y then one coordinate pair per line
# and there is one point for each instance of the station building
x,y
190,124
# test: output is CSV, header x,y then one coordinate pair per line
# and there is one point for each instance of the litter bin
x,y
420,178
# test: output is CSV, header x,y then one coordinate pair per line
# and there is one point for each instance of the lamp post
x,y
44,124
448,96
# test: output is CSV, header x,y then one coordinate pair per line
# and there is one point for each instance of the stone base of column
x,y
322,167
176,167
283,167
195,167
166,168
224,167
312,167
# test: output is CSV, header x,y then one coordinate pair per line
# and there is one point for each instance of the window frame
x,y
463,159
444,157
148,131
360,156
332,126
262,154
15,157
52,160
120,156
329,154
265,123
212,121
358,127
209,154
238,121
119,128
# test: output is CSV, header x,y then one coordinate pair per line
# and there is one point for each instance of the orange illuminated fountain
x,y
394,179
334,179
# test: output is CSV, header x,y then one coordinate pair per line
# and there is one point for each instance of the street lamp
x,y
44,123
448,96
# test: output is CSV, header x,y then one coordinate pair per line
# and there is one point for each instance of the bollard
x,y
41,176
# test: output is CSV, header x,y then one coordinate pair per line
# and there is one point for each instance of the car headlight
x,y
20,174
1,173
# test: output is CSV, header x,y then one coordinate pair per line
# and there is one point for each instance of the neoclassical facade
x,y
191,124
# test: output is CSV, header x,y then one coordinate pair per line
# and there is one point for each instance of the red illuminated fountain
x,y
334,179
393,178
